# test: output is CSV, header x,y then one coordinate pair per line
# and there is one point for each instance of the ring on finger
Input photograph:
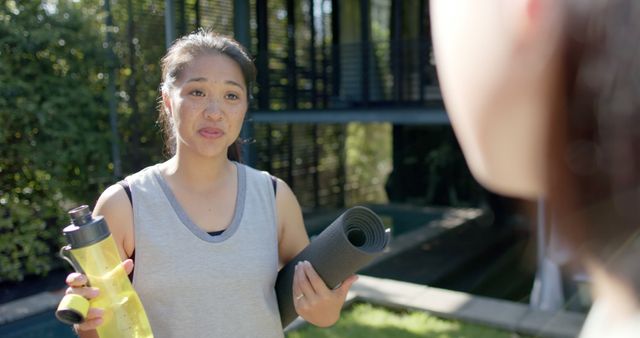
x,y
300,296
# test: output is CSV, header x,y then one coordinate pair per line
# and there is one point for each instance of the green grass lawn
x,y
368,321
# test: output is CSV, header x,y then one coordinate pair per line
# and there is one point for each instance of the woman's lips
x,y
211,133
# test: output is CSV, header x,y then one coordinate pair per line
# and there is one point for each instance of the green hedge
x,y
55,127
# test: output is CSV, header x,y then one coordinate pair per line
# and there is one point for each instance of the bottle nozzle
x,y
80,215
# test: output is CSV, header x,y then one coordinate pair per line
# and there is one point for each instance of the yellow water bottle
x,y
92,251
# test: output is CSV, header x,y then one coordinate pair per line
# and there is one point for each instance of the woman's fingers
x,y
313,300
297,292
90,324
76,279
346,285
302,283
86,292
77,285
92,321
127,264
95,313
316,282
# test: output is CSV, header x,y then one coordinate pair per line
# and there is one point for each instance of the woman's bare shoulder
x,y
115,207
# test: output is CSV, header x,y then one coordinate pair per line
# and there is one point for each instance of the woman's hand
x,y
313,300
77,283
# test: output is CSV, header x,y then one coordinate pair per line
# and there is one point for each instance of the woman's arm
x,y
292,235
114,205
313,300
116,208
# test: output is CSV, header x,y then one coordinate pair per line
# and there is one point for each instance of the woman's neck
x,y
198,174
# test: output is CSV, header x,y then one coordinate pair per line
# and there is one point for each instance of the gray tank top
x,y
193,284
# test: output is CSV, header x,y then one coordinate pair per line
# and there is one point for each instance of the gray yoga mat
x,y
349,243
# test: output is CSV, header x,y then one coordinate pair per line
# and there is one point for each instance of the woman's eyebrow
x,y
197,79
204,79
231,82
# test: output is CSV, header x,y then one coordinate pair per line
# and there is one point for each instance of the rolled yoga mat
x,y
349,243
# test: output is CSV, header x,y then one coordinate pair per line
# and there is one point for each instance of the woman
x,y
209,234
544,97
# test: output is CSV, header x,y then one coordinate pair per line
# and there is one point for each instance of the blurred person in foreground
x,y
544,97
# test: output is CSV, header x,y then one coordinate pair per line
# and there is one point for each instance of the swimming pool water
x,y
43,325
403,222
400,219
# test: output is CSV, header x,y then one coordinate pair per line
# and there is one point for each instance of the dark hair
x,y
594,176
181,53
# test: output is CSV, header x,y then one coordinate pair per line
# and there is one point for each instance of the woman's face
x,y
207,104
495,61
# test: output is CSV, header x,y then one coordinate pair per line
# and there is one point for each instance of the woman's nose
x,y
213,110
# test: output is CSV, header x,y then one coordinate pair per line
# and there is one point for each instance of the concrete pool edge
x,y
29,306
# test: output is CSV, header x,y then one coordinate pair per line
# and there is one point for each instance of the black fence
x,y
333,59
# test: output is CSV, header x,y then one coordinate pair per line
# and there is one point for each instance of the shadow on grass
x,y
367,321
365,331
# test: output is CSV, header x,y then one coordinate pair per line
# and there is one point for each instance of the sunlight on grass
x,y
368,321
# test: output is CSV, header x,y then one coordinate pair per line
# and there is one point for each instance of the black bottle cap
x,y
84,229
70,316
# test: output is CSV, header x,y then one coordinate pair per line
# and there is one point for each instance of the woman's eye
x,y
231,96
196,92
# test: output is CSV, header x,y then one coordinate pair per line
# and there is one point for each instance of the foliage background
x,y
55,132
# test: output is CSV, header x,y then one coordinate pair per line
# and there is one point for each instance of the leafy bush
x,y
55,127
